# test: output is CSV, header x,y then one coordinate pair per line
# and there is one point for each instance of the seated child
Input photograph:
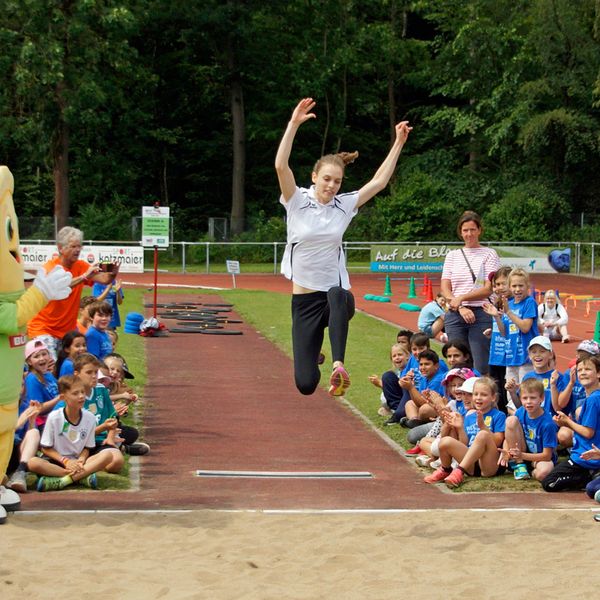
x,y
573,393
68,442
531,441
403,337
592,489
98,402
418,343
122,396
481,433
391,394
72,345
541,355
97,340
463,406
452,382
431,318
40,384
418,410
553,318
580,468
25,446
457,354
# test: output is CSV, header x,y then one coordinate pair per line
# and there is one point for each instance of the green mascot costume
x,y
17,306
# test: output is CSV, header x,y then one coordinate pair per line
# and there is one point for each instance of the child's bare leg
x,y
483,449
437,326
29,445
93,464
44,467
565,437
451,448
425,445
426,413
116,460
515,438
542,469
411,410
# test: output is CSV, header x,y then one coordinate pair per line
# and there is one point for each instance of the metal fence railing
x,y
210,257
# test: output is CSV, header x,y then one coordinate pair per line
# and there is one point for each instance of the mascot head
x,y
11,268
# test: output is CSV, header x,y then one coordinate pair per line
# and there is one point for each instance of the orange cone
x,y
426,283
429,296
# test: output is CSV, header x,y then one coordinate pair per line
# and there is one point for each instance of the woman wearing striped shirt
x,y
466,286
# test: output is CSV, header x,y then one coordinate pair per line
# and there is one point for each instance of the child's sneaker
x,y
520,471
423,460
414,451
18,482
455,478
47,484
436,464
339,382
597,496
437,476
91,481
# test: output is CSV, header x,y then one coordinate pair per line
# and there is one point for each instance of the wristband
x,y
64,460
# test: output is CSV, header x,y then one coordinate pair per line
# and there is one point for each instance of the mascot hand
x,y
54,285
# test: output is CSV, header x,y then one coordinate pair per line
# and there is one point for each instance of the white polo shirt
x,y
314,257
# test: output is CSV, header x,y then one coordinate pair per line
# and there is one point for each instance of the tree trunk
x,y
238,196
60,164
238,121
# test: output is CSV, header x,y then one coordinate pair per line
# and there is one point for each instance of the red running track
x,y
227,403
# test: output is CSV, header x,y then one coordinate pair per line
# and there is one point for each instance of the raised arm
x,y
301,113
384,173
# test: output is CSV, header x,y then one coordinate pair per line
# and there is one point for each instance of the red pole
x,y
155,277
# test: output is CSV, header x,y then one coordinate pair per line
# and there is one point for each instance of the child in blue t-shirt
x,y
40,384
499,347
97,339
431,317
114,297
569,391
418,410
530,434
72,345
520,321
481,434
542,358
582,465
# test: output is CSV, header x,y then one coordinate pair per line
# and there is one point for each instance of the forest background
x,y
109,105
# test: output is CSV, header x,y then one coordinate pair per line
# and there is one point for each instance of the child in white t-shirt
x,y
67,441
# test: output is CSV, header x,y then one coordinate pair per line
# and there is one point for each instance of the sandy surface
x,y
223,555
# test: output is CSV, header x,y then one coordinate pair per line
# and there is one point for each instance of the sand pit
x,y
238,555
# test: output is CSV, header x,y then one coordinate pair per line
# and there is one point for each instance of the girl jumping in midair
x,y
314,259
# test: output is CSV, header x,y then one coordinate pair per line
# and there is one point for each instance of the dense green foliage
x,y
132,102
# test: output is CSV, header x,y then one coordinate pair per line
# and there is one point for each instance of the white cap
x,y
468,385
541,340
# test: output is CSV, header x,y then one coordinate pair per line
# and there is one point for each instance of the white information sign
x,y
233,266
155,226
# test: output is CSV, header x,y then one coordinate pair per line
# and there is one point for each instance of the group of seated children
x,y
454,416
70,423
